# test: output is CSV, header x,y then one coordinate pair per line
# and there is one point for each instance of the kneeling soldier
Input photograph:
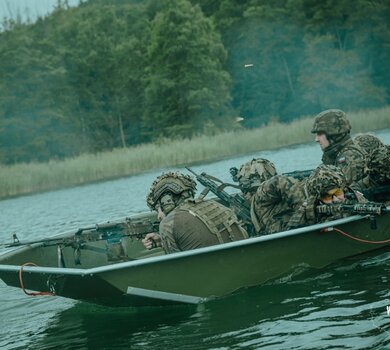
x,y
187,223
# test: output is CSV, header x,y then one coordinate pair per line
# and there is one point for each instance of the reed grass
x,y
21,179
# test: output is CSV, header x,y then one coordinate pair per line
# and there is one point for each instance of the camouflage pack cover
x,y
379,165
254,172
324,178
331,122
173,182
368,142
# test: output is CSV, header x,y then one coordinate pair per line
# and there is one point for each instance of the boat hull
x,y
197,275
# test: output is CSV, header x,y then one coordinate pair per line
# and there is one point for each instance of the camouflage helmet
x,y
171,182
379,164
325,178
251,174
368,142
331,122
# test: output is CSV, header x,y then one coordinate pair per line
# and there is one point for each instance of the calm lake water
x,y
344,306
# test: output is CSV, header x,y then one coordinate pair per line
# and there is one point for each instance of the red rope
x,y
33,294
327,229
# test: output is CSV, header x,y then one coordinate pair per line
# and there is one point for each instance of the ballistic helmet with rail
x,y
172,183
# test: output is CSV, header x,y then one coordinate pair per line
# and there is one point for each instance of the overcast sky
x,y
28,8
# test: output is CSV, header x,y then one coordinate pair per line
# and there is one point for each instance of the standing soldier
x,y
187,223
332,129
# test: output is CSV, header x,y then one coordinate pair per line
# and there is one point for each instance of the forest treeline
x,y
117,73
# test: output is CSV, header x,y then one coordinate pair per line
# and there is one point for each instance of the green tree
x,y
32,123
186,85
264,61
334,71
104,61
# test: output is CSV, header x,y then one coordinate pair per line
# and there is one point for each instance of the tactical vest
x,y
221,221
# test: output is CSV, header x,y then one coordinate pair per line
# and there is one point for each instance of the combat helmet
x,y
368,142
325,178
331,122
174,183
251,174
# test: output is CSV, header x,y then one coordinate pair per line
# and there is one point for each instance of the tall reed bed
x,y
22,179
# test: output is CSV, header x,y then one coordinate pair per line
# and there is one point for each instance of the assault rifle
x,y
369,208
234,201
130,227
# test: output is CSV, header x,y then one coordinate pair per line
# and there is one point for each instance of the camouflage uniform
x,y
189,223
378,162
275,202
342,151
250,176
377,182
284,202
378,166
368,143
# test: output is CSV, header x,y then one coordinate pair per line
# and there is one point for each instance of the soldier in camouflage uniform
x,y
283,202
332,129
377,182
250,176
377,164
187,223
368,142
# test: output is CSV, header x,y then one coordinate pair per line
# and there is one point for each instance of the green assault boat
x,y
108,265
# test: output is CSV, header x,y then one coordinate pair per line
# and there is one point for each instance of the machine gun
x,y
369,208
130,227
234,201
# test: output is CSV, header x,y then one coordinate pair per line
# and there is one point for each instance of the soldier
x,y
187,223
332,129
250,176
283,202
368,142
377,181
377,165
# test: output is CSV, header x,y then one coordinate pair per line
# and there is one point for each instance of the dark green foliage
x,y
114,73
186,86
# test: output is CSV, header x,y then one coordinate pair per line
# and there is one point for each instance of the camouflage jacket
x,y
199,224
281,203
376,184
350,158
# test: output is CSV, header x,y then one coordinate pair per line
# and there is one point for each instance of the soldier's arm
x,y
167,234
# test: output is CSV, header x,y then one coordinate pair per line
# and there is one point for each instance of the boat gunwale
x,y
175,256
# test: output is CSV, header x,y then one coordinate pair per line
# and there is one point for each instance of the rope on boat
x,y
328,229
33,294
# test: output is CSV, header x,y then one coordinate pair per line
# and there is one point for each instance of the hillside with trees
x,y
116,73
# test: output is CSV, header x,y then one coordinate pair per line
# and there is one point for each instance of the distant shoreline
x,y
25,179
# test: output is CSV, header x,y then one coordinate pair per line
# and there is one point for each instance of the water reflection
x,y
87,326
329,309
